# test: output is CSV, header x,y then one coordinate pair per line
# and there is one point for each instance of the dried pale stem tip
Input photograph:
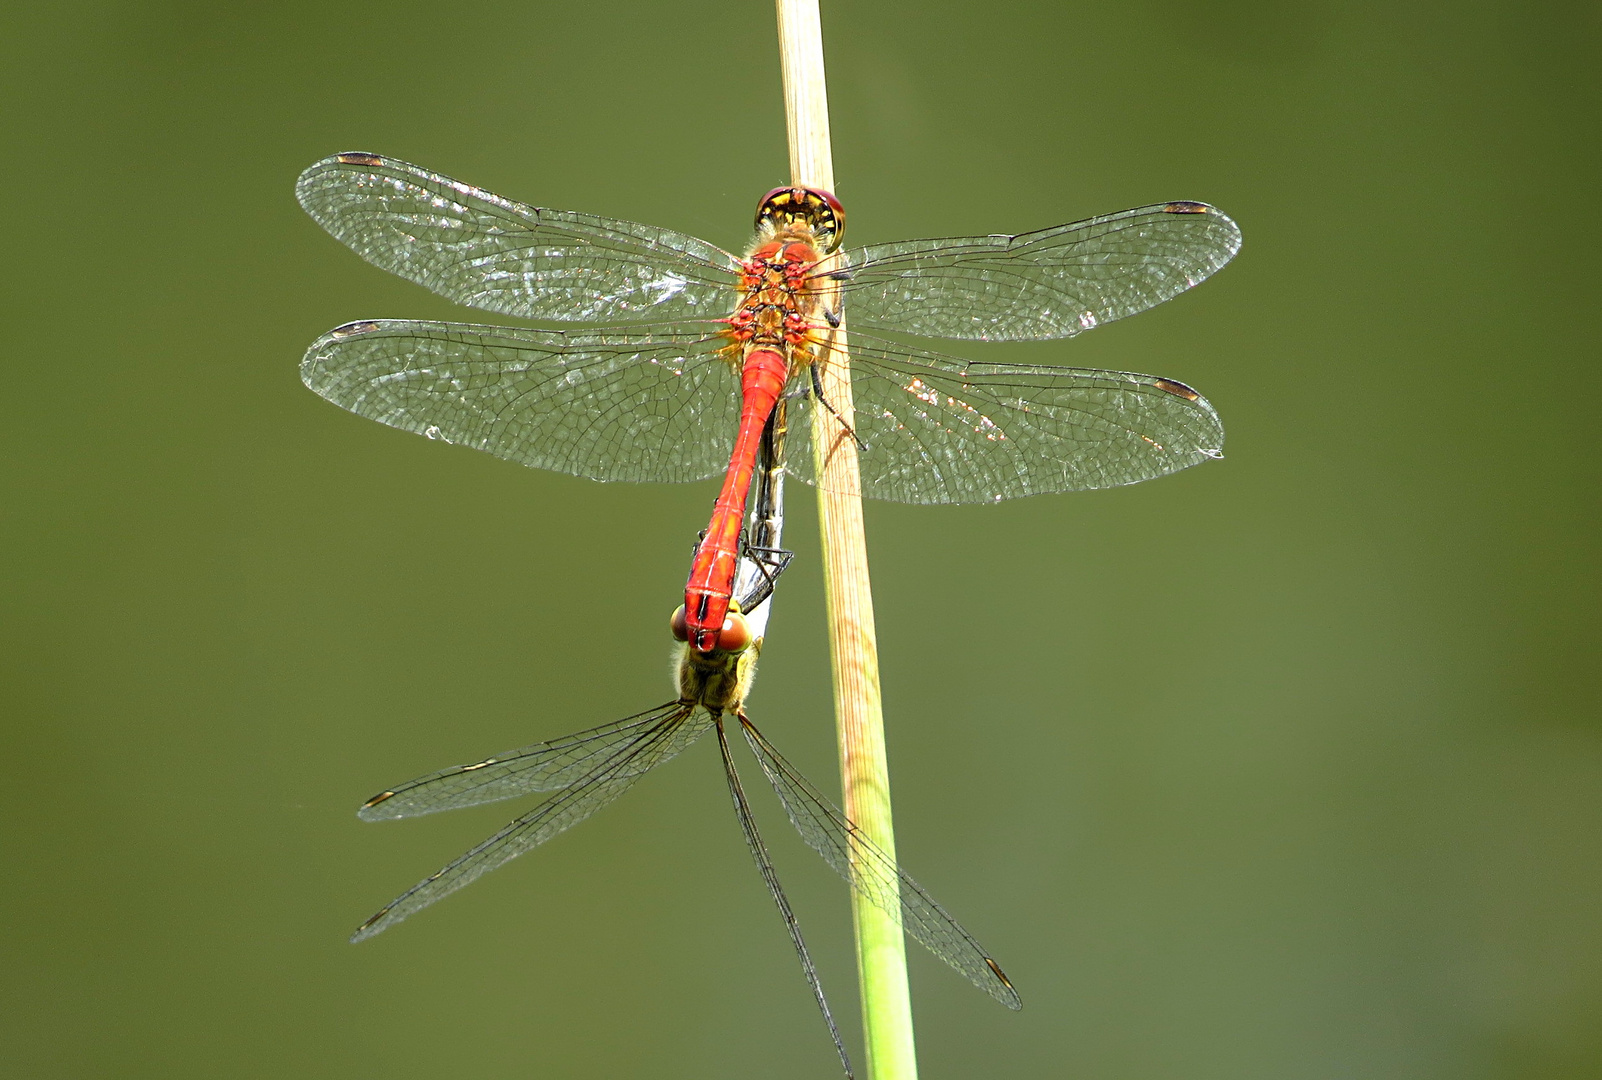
x,y
864,772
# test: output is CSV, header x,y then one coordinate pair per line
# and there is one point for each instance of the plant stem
x,y
864,770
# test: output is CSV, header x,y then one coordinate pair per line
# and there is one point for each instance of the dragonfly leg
x,y
817,392
769,563
759,852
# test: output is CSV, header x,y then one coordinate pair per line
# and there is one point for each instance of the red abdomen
x,y
711,585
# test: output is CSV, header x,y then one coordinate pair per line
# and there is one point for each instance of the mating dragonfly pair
x,y
703,392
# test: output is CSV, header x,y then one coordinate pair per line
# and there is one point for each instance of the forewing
x,y
479,249
873,874
650,404
1052,283
605,782
943,430
547,766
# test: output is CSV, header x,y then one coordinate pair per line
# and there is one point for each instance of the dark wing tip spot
x,y
351,329
1186,208
376,799
359,158
995,968
1178,389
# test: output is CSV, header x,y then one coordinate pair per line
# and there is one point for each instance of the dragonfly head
x,y
734,637
811,208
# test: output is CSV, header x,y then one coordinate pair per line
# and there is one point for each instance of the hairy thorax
x,y
718,679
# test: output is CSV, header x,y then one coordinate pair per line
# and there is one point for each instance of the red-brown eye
x,y
679,625
736,633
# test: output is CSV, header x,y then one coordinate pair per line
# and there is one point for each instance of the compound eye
x,y
736,633
679,625
772,205
829,216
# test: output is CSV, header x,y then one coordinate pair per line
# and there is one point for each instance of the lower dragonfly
x,y
590,769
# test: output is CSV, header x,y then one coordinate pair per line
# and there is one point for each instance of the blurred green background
x,y
1286,766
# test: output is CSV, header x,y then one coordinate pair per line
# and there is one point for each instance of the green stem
x,y
853,650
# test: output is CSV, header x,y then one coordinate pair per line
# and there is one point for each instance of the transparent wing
x,y
943,430
606,781
1048,284
479,249
653,404
871,873
770,877
547,766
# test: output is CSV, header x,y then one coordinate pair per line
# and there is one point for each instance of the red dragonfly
x,y
686,398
